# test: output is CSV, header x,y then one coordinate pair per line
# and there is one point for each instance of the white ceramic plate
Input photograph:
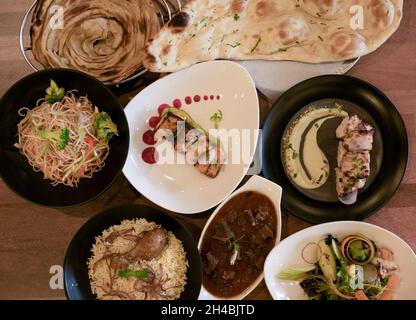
x,y
288,254
180,187
273,78
274,193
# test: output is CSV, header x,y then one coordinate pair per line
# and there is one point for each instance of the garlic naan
x,y
311,31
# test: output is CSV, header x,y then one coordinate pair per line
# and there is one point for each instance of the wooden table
x,y
34,238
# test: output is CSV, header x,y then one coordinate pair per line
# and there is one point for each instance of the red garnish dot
x,y
162,107
212,97
188,100
177,103
149,155
153,121
218,97
149,137
206,98
197,98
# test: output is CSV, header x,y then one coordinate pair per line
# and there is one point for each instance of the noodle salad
x,y
65,137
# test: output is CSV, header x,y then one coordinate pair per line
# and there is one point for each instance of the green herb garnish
x,y
358,252
106,128
216,118
129,273
59,139
236,17
54,93
256,45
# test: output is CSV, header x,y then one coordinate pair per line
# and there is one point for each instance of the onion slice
x,y
311,253
349,199
345,245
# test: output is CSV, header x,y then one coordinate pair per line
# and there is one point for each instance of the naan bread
x,y
101,37
300,30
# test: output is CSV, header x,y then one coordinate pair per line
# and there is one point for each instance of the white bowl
x,y
180,187
274,193
287,254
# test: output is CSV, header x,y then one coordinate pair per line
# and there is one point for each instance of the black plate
x,y
328,142
76,282
15,169
392,158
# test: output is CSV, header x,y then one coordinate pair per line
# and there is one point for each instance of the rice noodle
x,y
79,159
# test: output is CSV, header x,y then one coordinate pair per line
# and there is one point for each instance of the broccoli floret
x,y
59,139
54,93
106,128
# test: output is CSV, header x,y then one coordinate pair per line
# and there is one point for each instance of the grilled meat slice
x,y
350,124
359,141
170,123
356,165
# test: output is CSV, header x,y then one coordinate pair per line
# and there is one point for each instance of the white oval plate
x,y
180,187
274,193
273,78
288,254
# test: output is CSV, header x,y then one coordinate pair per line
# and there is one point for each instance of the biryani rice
x,y
172,260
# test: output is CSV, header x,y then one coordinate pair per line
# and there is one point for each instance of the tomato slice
x,y
91,145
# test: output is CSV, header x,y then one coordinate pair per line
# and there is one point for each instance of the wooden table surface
x,y
34,238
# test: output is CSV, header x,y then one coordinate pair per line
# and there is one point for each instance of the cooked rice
x,y
172,260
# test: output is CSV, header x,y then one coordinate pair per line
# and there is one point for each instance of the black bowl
x,y
15,169
76,281
359,97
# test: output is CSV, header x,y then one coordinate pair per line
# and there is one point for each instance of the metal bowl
x,y
167,8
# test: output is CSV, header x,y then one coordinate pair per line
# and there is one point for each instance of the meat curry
x,y
237,242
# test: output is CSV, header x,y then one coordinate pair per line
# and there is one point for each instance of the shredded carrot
x,y
360,295
386,295
393,281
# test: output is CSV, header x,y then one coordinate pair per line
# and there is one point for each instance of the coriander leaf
x,y
129,273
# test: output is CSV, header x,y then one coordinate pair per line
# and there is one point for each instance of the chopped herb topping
x,y
256,45
234,45
216,118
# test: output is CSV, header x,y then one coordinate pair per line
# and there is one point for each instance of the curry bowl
x,y
237,238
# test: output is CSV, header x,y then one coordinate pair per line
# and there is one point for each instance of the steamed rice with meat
x,y
137,260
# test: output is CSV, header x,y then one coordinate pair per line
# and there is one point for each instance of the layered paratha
x,y
101,37
311,31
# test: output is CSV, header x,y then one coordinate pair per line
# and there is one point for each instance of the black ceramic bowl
x,y
15,169
77,284
389,154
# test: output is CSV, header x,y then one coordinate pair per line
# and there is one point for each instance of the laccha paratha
x,y
103,38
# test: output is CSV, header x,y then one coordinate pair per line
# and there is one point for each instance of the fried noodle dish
x,y
65,137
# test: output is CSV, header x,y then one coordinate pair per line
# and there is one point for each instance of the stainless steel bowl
x,y
167,9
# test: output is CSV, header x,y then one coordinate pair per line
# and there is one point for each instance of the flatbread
x,y
311,31
103,38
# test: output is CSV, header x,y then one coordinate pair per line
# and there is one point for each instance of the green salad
x,y
351,269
